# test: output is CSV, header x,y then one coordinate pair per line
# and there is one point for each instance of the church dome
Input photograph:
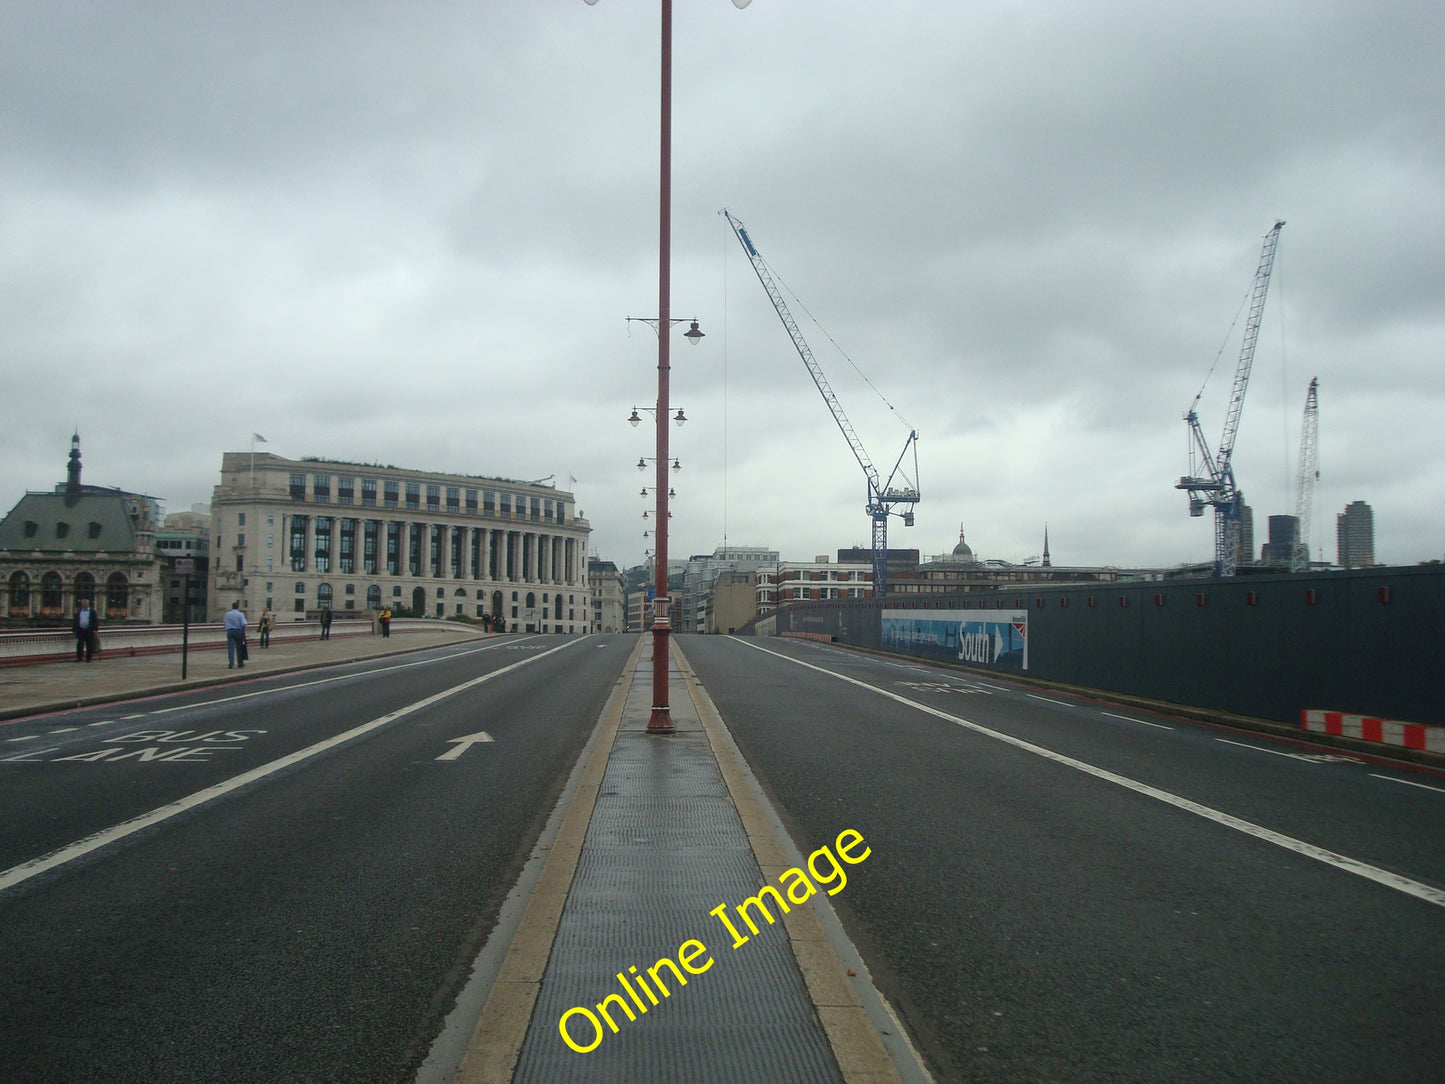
x,y
962,553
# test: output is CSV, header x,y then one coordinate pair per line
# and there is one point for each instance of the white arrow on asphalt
x,y
463,744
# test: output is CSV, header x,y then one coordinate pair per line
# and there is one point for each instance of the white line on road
x,y
23,872
1257,748
1410,887
1046,700
309,684
1131,719
1408,783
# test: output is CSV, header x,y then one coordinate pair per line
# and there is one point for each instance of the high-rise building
x,y
1355,535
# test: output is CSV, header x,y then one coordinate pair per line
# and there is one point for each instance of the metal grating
x,y
665,847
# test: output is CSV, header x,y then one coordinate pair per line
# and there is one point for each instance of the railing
x,y
21,647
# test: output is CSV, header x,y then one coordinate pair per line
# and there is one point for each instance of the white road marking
x,y
463,744
1046,700
23,872
1130,719
1408,783
1257,748
1406,885
307,684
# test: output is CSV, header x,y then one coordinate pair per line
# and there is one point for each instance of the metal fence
x,y
22,647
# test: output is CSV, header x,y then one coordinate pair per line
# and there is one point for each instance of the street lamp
x,y
660,721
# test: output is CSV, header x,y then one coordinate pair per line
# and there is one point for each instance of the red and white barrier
x,y
1368,728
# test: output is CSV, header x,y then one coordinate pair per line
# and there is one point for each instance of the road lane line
x,y
1131,719
1406,885
23,872
1408,783
1258,748
312,684
1046,700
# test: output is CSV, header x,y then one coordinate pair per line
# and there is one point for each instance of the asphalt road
x,y
1062,890
313,916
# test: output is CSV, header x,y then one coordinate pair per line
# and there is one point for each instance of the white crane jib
x,y
883,495
1215,484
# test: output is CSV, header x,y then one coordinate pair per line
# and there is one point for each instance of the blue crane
x,y
1215,484
884,497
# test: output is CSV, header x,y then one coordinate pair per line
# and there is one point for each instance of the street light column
x,y
660,721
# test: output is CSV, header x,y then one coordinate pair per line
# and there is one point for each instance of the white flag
x,y
258,436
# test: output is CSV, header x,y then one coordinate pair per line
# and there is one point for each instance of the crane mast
x,y
883,496
1215,484
1309,474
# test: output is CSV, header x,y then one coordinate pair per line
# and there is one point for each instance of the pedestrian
x,y
86,627
235,622
326,622
486,622
268,622
385,618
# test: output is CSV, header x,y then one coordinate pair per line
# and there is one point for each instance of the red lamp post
x,y
660,720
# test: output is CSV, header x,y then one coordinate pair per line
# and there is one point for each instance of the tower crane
x,y
895,496
1309,474
1215,484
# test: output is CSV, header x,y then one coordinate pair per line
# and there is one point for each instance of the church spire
x,y
72,473
1046,546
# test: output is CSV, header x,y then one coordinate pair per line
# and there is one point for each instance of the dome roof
x,y
962,552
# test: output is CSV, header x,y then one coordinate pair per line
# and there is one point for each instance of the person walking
x,y
268,622
235,622
326,622
385,618
86,627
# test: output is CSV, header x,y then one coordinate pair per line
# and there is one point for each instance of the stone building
x,y
80,542
297,535
609,600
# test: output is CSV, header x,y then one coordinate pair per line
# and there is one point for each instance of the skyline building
x,y
1355,535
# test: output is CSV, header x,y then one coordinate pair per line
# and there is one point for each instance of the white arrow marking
x,y
463,744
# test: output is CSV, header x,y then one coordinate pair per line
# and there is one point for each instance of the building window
x,y
391,495
321,488
368,492
241,541
433,498
489,503
298,487
117,596
368,547
506,506
30,528
323,544
413,495
62,529
52,594
345,490
323,594
94,530
347,561
471,502
454,499
298,543
373,597
393,549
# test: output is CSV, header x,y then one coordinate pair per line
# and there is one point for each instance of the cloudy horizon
x,y
413,234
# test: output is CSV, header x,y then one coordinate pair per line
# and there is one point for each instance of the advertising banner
x,y
997,638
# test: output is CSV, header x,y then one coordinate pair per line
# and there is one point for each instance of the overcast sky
x,y
410,233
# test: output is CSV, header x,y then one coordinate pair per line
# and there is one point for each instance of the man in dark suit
x,y
86,627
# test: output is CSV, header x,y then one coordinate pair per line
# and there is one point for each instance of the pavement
x,y
660,832
654,836
58,686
